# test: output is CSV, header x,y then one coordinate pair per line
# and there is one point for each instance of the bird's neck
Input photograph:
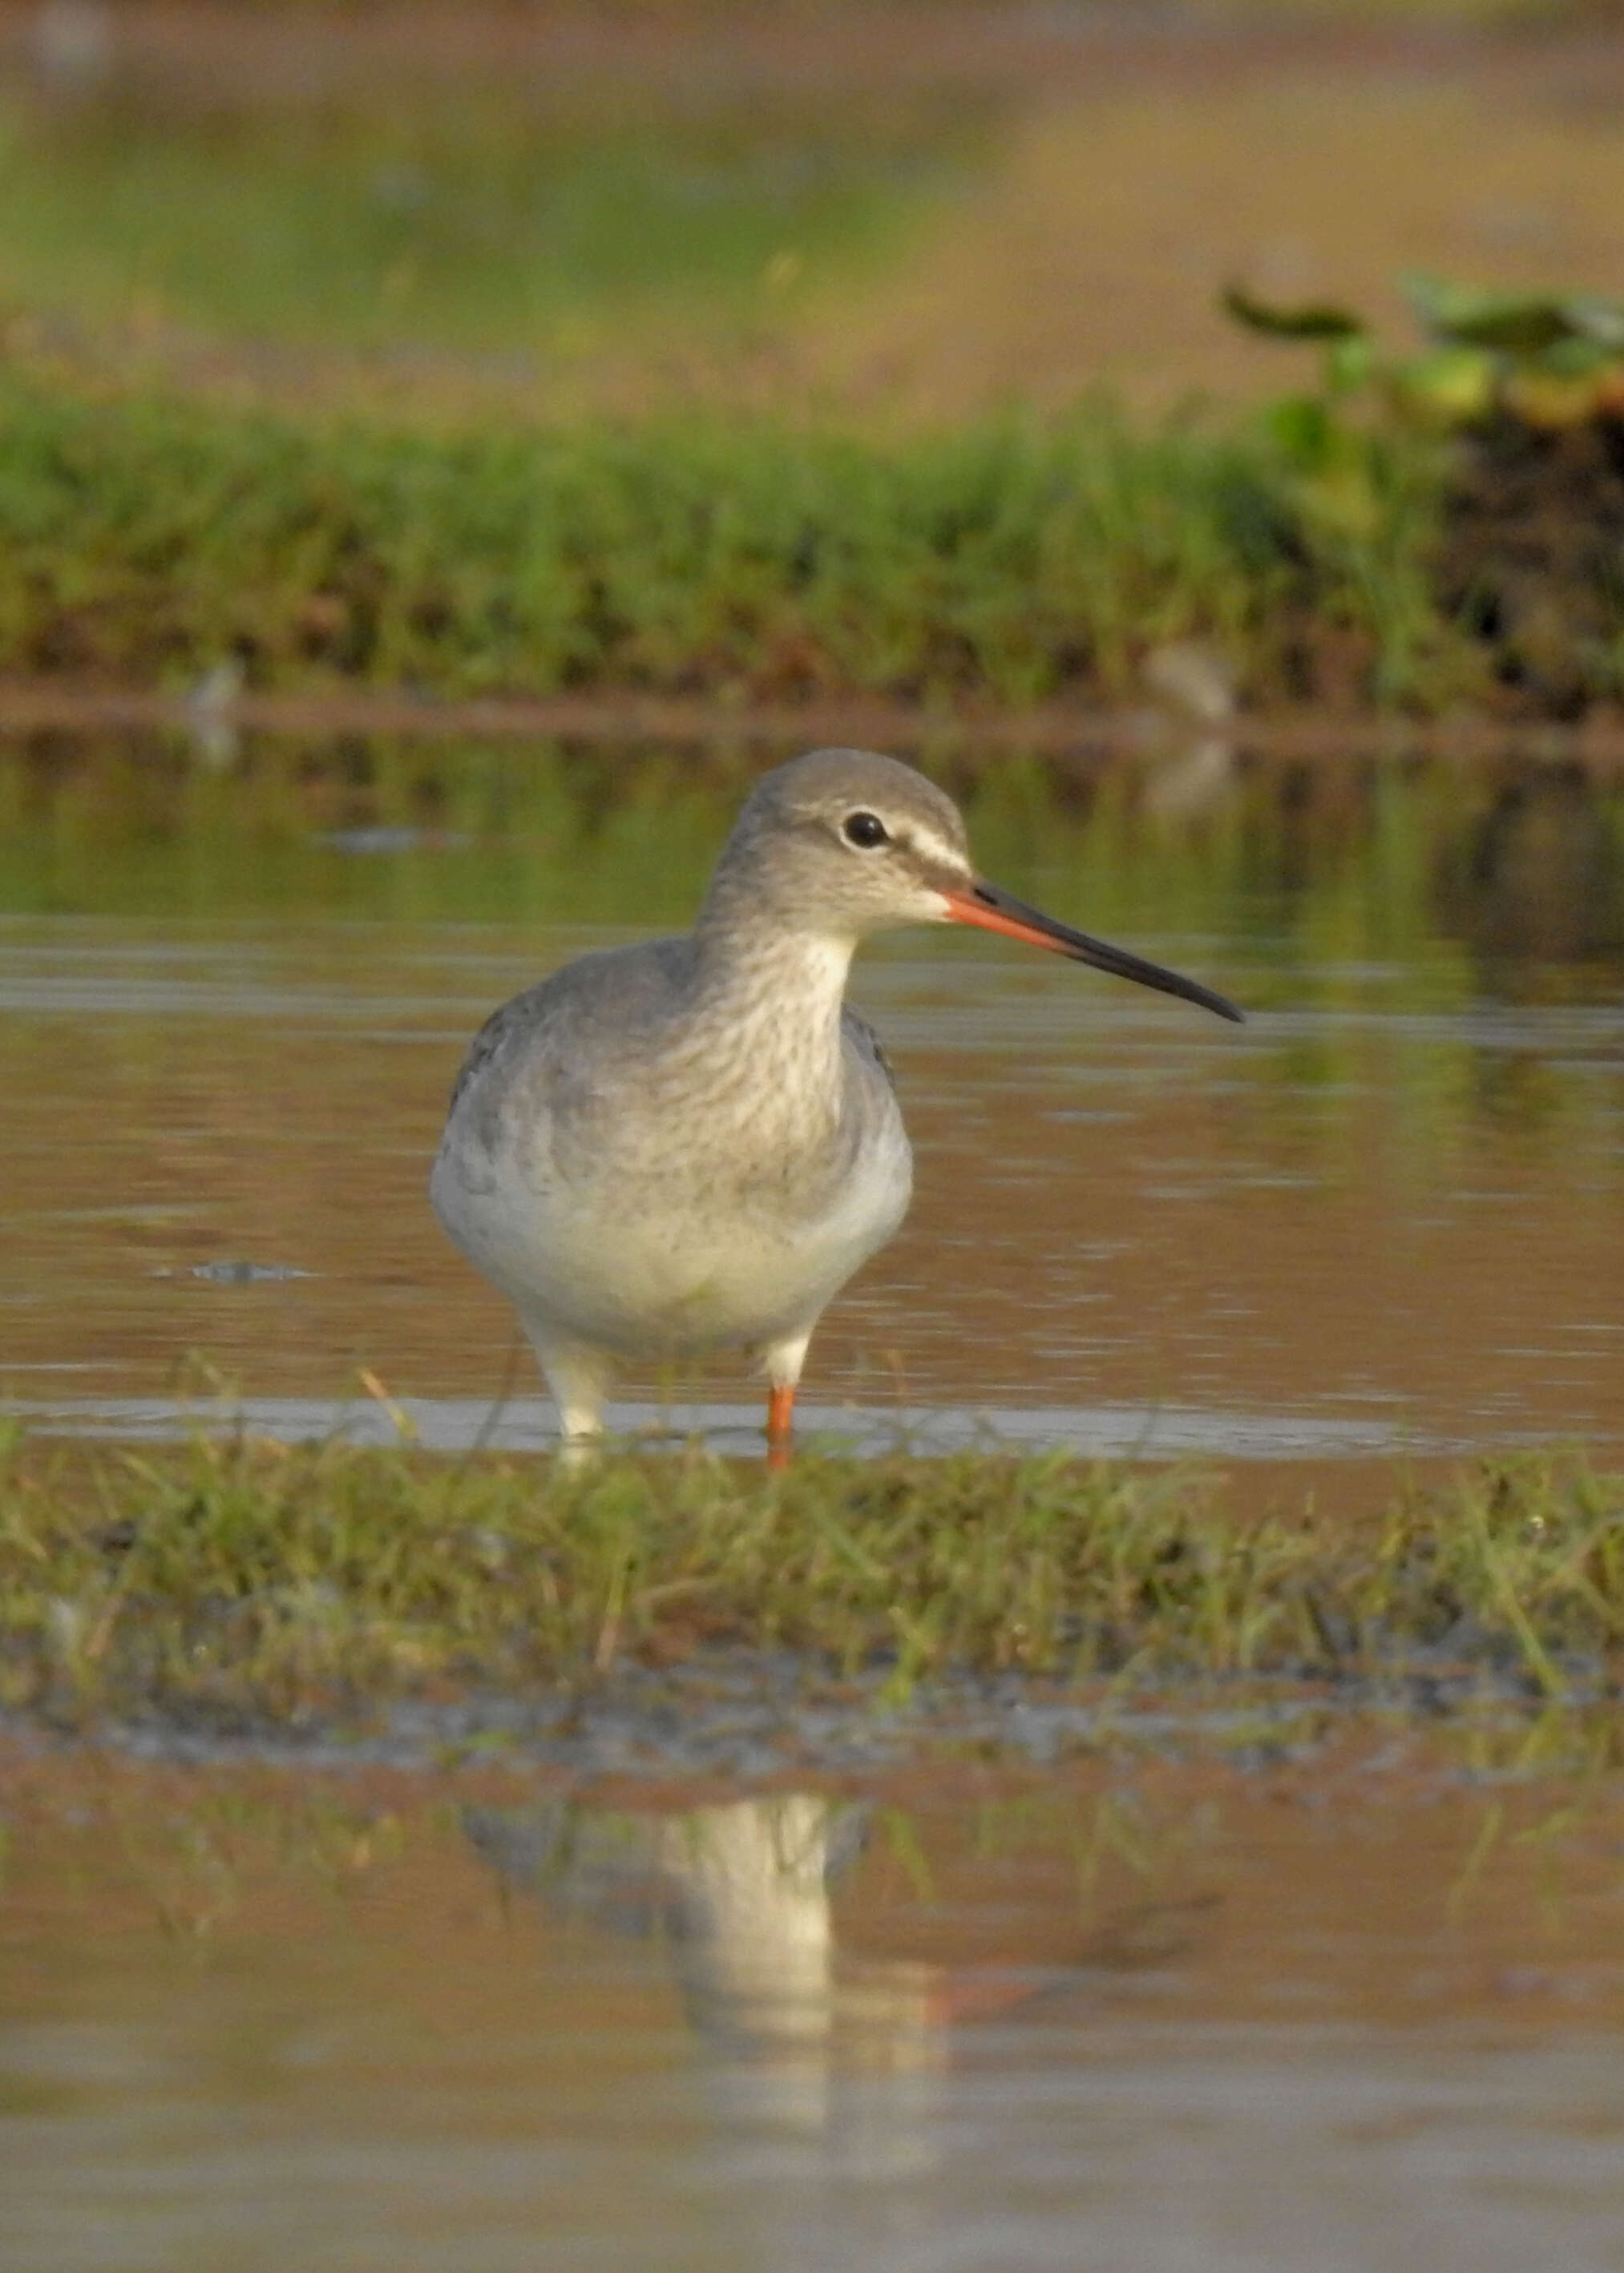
x,y
767,1003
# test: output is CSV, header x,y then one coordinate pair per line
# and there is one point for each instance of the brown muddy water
x,y
1355,2003
1383,1221
1360,2011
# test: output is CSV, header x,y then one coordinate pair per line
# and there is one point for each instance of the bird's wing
x,y
866,1042
501,1027
603,1000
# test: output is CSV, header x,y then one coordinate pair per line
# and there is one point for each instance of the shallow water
x,y
1358,2006
1385,1219
1360,2011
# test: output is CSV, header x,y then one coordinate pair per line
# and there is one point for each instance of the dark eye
x,y
865,829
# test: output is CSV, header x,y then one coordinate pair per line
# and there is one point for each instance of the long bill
x,y
989,909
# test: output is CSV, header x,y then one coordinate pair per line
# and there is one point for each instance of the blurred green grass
x,y
144,538
470,224
519,337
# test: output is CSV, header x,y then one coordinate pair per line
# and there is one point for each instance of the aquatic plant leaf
x,y
1599,320
1516,322
1311,320
1456,384
1580,358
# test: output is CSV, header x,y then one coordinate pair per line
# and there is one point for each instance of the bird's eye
x,y
865,830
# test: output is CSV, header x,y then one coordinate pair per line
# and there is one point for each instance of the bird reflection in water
x,y
738,1895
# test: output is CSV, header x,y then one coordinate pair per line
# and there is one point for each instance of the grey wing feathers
x,y
615,990
488,1042
868,1043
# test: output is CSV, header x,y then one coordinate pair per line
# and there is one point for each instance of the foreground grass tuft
x,y
240,1579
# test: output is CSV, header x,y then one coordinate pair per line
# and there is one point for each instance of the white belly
x,y
625,1272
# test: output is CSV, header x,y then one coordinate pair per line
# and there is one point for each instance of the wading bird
x,y
690,1144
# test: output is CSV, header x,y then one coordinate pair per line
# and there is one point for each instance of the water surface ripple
x,y
1349,2015
1386,1217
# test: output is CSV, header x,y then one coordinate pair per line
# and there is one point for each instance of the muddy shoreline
x,y
1058,731
739,1717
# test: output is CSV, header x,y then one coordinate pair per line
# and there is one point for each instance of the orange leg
x,y
780,1425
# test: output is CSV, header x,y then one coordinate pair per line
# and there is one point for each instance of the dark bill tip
x,y
991,908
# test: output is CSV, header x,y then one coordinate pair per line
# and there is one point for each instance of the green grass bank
x,y
146,539
236,1579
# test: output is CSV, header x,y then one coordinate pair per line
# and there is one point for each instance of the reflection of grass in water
x,y
514,834
96,1838
236,1575
1350,901
1404,868
462,224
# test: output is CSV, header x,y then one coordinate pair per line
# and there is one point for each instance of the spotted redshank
x,y
690,1144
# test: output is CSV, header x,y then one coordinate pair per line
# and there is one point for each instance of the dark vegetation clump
x,y
1532,559
1520,397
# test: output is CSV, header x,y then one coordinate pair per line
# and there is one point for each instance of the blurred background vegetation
x,y
433,221
919,208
